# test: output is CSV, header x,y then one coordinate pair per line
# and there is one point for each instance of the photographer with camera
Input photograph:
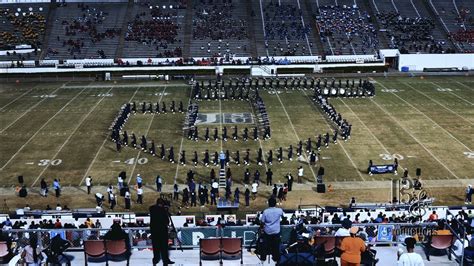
x,y
159,221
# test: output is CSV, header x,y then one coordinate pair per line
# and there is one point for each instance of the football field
x,y
60,130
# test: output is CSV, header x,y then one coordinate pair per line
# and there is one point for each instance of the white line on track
x,y
103,143
37,131
146,135
340,143
432,121
16,99
296,134
449,109
409,133
70,136
27,111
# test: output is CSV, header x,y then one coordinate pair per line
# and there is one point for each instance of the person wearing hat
x,y
352,247
410,258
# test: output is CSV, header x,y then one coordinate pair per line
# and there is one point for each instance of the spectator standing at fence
x,y
112,201
247,196
140,195
410,258
289,179
270,219
89,184
139,180
159,183
352,247
300,174
254,189
44,188
120,182
175,192
469,192
127,200
57,187
159,221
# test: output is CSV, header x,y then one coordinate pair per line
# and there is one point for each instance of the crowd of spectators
x,y
156,28
29,25
215,20
87,27
285,33
347,28
465,39
412,35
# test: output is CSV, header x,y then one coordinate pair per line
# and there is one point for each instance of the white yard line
x,y
462,84
296,134
370,131
146,135
37,131
340,143
70,136
449,109
455,95
427,117
16,99
182,140
27,111
419,142
101,146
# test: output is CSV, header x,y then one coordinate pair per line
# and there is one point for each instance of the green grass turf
x,y
431,129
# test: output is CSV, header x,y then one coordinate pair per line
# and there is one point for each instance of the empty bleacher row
x,y
233,28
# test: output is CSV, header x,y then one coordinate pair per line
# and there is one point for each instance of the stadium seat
x,y
94,249
330,244
232,247
117,249
439,242
210,248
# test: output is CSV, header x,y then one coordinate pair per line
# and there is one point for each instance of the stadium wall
x,y
420,62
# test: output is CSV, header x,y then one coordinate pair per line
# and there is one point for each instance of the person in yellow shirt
x,y
352,247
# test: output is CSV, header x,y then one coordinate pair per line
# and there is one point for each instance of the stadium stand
x,y
86,231
85,30
410,28
219,29
346,29
458,20
23,26
155,30
285,31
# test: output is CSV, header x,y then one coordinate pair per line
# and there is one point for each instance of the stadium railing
x,y
387,233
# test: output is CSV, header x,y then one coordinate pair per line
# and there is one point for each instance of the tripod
x,y
175,232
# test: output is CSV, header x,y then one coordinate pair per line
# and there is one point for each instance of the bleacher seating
x,y
155,31
233,29
285,31
22,24
345,29
86,30
219,29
